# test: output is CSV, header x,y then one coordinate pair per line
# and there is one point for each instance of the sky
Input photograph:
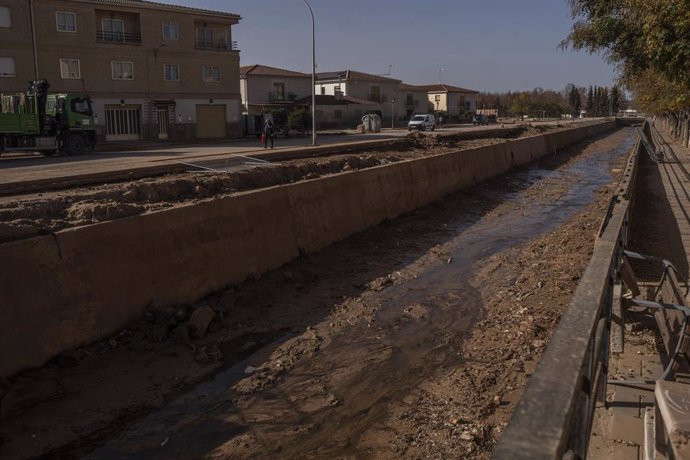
x,y
486,45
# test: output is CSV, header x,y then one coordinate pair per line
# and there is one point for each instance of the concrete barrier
x,y
78,285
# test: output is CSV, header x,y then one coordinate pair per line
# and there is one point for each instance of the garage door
x,y
210,121
123,123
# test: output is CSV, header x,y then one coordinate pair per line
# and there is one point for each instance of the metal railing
x,y
118,37
554,417
208,44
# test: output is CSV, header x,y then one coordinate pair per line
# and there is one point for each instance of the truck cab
x,y
49,123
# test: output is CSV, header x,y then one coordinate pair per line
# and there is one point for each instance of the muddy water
x,y
324,404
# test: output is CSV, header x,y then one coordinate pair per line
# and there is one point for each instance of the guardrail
x,y
554,417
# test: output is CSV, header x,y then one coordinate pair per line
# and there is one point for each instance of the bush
x,y
299,119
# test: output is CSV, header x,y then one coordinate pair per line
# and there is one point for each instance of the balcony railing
x,y
122,38
208,44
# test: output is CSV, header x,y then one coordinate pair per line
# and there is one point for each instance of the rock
x,y
159,333
200,320
249,370
466,436
181,333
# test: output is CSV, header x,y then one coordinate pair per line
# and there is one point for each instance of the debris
x,y
165,441
200,320
249,369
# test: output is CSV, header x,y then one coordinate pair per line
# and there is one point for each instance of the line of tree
x,y
596,101
649,43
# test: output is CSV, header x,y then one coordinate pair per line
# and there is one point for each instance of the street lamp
x,y
313,74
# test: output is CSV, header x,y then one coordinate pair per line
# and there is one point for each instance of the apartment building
x,y
154,71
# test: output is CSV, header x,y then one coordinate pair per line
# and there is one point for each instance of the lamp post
x,y
33,37
313,74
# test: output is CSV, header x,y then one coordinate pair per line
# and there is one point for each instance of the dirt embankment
x,y
45,213
336,382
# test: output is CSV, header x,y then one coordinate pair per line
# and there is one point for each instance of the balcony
x,y
119,38
215,44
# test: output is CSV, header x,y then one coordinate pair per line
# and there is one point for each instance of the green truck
x,y
48,123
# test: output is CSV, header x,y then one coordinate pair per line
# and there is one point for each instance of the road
x,y
26,170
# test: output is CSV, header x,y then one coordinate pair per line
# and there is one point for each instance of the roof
x,y
326,99
443,88
258,69
163,6
345,75
406,87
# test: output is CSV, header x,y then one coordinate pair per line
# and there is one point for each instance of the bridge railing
x,y
554,417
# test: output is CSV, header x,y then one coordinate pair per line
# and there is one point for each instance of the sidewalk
x,y
662,230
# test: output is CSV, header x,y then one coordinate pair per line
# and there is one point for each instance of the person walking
x,y
268,133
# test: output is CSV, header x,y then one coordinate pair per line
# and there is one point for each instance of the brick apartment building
x,y
153,71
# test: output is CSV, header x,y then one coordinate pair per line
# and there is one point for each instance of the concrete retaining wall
x,y
82,284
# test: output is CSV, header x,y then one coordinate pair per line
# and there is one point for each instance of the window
x,y
323,90
437,98
66,21
69,68
6,67
409,99
171,72
170,31
82,105
114,30
122,70
375,93
5,17
338,114
278,91
204,37
211,73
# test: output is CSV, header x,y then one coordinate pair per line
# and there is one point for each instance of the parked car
x,y
422,122
491,119
480,119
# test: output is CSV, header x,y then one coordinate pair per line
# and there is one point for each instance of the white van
x,y
422,122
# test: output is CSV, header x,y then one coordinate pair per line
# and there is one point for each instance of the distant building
x,y
340,112
487,112
412,99
377,89
451,100
270,89
153,71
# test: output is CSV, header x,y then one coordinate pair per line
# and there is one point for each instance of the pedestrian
x,y
268,133
440,120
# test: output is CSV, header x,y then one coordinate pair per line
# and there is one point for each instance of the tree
x,y
615,100
589,105
573,99
642,34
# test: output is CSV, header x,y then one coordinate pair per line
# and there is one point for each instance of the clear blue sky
x,y
487,45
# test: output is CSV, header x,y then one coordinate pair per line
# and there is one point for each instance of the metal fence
x,y
554,417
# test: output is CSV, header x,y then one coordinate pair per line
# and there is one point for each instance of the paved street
x,y
27,168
